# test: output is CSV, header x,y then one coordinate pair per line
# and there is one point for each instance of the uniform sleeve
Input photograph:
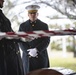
x,y
22,43
44,44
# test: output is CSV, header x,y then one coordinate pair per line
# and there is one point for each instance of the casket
x,y
52,71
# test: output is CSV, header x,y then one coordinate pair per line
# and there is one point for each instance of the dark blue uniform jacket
x,y
40,43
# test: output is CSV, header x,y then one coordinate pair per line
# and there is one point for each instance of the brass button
x,y
33,25
17,52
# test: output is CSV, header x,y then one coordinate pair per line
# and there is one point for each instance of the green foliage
x,y
70,48
55,45
55,26
67,26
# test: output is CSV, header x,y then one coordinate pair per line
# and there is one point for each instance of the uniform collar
x,y
33,21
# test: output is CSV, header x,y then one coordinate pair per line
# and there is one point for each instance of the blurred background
x,y
59,15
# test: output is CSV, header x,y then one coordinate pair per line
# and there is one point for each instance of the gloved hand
x,y
32,52
2,35
28,39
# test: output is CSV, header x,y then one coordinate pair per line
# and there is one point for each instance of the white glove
x,y
33,52
2,35
27,39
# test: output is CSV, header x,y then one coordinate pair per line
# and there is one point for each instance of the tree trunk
x,y
74,46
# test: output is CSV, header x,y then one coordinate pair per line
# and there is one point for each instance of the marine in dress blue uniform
x,y
40,44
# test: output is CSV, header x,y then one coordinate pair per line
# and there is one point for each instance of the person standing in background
x,y
34,52
10,59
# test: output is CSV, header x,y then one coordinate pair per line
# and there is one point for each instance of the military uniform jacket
x,y
10,60
40,43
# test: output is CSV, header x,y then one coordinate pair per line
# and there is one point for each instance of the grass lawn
x,y
68,62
